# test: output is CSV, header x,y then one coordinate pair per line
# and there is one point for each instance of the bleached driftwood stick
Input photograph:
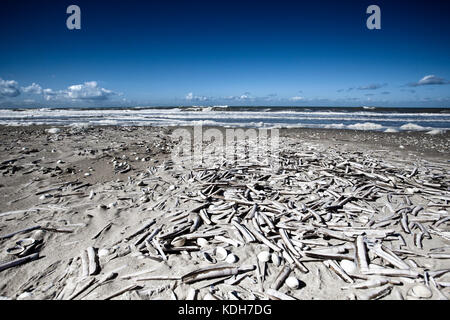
x,y
7,236
93,265
121,291
18,262
84,264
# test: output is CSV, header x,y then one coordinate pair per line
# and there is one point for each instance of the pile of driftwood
x,y
369,221
363,218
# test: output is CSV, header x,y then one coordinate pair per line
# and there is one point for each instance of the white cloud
x,y
9,88
373,86
243,97
34,88
429,80
297,98
49,94
191,97
88,91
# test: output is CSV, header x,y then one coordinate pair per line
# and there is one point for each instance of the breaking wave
x,y
358,119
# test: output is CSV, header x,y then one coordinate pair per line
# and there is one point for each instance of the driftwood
x,y
7,236
3,214
105,279
338,270
282,276
129,276
376,293
140,230
108,225
61,230
214,272
277,295
93,265
19,261
151,278
84,264
87,283
122,291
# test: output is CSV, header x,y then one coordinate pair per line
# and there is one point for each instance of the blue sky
x,y
225,52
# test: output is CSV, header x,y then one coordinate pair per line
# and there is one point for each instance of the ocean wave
x,y
412,127
220,110
335,126
105,122
204,123
365,126
184,116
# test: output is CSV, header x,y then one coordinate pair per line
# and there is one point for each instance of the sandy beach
x,y
104,213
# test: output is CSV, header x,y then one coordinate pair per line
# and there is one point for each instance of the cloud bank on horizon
x,y
90,91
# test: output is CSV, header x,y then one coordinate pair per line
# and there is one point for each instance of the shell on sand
x,y
202,242
292,282
276,260
221,253
231,258
348,266
25,242
420,291
264,256
178,242
38,235
103,252
15,250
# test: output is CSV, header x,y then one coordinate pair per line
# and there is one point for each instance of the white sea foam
x,y
412,127
81,125
105,122
390,130
204,123
365,126
335,126
436,131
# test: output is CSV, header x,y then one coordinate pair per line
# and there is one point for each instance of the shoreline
x,y
427,144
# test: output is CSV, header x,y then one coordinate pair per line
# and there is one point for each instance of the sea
x,y
431,120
